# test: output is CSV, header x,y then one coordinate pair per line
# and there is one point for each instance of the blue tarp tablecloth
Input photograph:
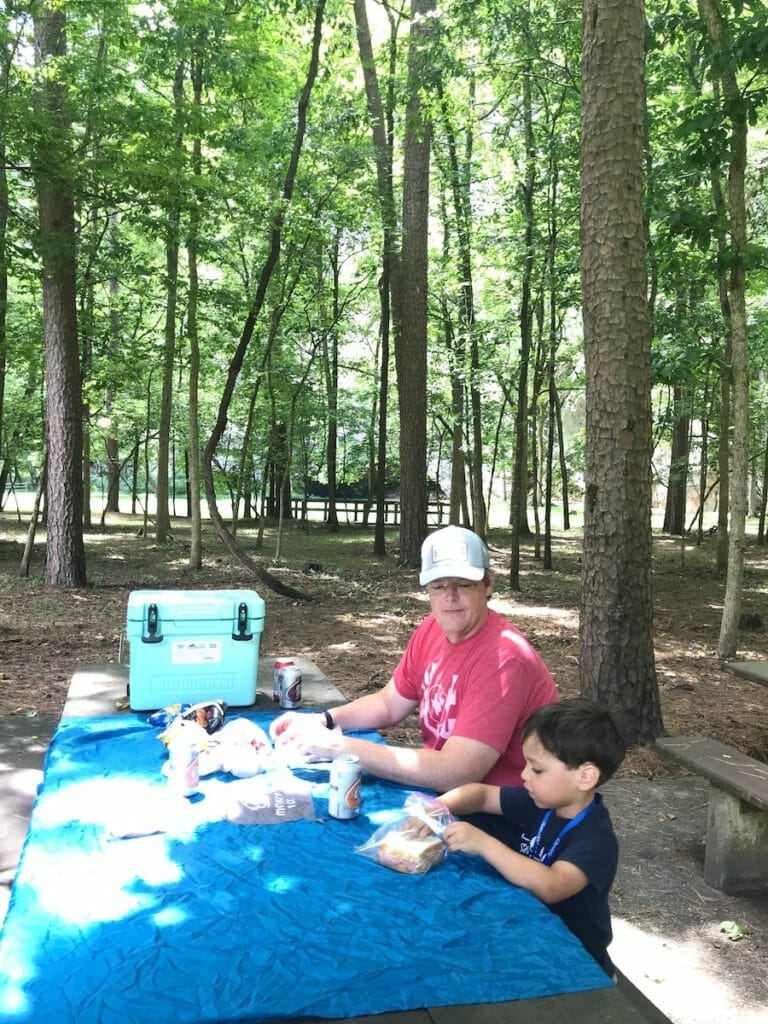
x,y
214,921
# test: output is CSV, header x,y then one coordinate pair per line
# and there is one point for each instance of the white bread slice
x,y
410,854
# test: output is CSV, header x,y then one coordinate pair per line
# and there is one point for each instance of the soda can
x,y
184,766
290,686
280,664
344,789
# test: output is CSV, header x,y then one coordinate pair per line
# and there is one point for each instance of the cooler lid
x,y
194,605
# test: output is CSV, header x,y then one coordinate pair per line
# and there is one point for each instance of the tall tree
x,y
520,472
411,345
381,117
173,214
271,258
8,47
53,166
616,627
736,110
193,461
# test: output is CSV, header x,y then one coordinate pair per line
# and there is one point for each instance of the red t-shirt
x,y
482,688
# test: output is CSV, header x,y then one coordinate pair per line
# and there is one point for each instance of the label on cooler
x,y
196,652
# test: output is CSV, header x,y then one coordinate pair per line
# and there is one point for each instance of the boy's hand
x,y
460,835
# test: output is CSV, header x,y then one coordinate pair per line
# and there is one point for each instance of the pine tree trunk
x,y
65,551
411,351
616,628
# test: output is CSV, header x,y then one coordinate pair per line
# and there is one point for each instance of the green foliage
x,y
135,168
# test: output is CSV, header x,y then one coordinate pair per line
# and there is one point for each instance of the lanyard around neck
x,y
547,856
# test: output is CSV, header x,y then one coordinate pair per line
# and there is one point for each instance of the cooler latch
x,y
242,623
152,636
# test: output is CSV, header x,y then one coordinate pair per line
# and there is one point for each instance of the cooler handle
x,y
152,636
242,623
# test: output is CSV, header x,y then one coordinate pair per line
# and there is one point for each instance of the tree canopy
x,y
331,248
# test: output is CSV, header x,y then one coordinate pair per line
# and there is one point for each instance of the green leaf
x,y
733,930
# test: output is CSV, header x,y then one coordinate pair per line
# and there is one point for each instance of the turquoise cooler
x,y
193,645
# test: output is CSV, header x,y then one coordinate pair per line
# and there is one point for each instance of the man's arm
x,y
461,759
376,710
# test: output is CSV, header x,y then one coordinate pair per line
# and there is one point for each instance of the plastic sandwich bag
x,y
411,842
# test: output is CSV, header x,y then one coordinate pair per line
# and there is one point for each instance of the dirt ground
x,y
667,921
363,609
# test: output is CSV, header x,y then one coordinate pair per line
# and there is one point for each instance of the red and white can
x,y
183,769
280,664
344,789
290,686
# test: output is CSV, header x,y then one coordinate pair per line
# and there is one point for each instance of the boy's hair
x,y
578,730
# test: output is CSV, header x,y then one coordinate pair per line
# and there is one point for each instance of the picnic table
x,y
56,934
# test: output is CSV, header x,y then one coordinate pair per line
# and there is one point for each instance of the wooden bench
x,y
736,851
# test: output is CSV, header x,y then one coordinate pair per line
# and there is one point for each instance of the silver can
x,y
344,789
183,768
280,664
290,686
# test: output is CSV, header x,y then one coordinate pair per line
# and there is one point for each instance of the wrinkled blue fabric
x,y
249,923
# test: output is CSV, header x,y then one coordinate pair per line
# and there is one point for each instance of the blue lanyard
x,y
547,856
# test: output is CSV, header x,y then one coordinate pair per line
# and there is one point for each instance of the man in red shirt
x,y
472,675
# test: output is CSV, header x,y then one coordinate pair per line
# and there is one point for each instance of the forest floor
x,y
362,611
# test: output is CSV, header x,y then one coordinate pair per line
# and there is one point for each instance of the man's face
x,y
460,606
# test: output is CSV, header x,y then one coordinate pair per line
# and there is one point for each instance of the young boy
x,y
556,837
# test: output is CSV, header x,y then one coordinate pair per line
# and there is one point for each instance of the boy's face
x,y
550,782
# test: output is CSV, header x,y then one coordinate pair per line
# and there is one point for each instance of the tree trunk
x,y
467,330
518,505
236,364
331,368
379,538
162,519
29,543
726,377
563,464
411,351
113,345
616,628
763,496
382,130
677,487
734,109
703,461
54,172
5,75
552,346
193,444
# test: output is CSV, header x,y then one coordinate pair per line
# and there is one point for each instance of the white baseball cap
x,y
453,551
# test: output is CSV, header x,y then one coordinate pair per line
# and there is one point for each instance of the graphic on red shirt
x,y
439,707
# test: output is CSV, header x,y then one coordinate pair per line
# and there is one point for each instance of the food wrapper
x,y
241,748
412,841
209,715
166,715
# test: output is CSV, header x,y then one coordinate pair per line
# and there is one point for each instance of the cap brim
x,y
462,571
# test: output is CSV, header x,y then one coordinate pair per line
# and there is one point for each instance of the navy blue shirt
x,y
592,846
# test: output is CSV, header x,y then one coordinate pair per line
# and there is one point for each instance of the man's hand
x,y
302,736
286,726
